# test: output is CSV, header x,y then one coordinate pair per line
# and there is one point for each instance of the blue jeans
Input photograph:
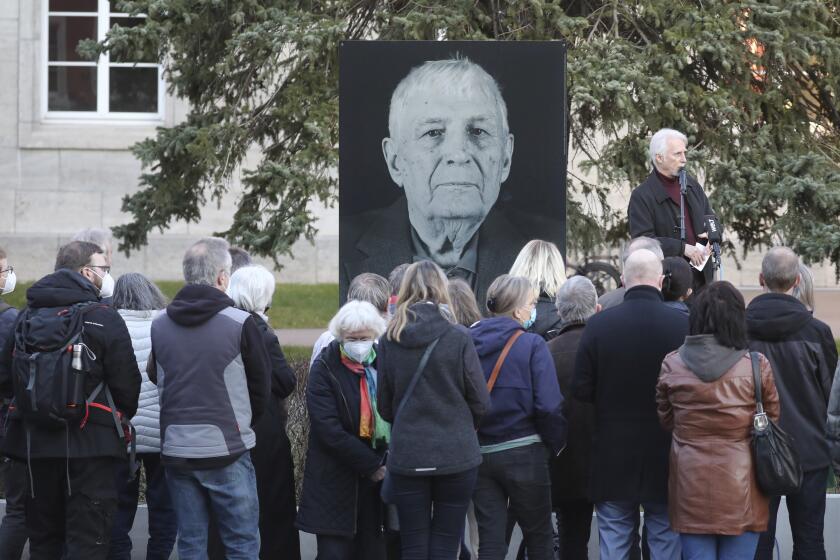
x,y
616,523
163,528
231,493
719,547
806,511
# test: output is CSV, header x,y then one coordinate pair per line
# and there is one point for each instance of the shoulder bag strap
x,y
498,367
759,405
420,367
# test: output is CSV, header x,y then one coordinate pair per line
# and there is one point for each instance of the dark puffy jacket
x,y
570,469
803,355
338,462
435,433
107,337
526,398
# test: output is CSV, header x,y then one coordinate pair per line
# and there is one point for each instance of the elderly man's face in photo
x,y
450,153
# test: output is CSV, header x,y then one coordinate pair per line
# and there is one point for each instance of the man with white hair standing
x,y
449,149
654,209
617,367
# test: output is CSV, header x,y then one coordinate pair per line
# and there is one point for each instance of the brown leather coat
x,y
712,486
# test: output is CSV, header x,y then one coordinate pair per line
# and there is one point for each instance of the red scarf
x,y
365,408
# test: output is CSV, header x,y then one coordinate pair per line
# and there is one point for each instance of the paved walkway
x,y
827,309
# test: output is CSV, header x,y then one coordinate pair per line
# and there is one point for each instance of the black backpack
x,y
50,366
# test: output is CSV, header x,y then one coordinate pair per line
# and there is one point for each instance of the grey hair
x,y
239,258
205,259
650,243
371,288
458,74
804,291
135,292
659,142
576,299
251,288
356,316
98,236
779,268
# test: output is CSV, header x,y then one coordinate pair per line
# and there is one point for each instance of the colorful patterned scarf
x,y
371,425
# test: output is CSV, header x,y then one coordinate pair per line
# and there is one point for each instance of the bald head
x,y
643,268
779,270
649,243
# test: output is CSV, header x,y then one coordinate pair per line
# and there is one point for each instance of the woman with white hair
x,y
541,262
348,439
252,289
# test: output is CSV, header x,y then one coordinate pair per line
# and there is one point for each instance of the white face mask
x,y
11,282
358,350
107,289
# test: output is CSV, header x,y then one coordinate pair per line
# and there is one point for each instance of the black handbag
x,y
387,491
776,460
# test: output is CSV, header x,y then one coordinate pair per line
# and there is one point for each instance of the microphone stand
x,y
683,189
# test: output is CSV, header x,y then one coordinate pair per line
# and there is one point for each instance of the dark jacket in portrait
x,y
616,368
570,469
339,462
652,213
436,431
107,337
803,355
380,240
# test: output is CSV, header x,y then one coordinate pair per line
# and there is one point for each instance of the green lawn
x,y
295,306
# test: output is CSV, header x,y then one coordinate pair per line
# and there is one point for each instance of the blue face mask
x,y
530,321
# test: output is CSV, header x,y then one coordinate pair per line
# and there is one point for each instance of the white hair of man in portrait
x,y
450,149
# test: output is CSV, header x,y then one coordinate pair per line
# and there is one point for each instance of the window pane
x,y
129,22
65,34
72,88
134,90
73,5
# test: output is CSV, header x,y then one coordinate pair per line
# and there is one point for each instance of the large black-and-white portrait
x,y
449,151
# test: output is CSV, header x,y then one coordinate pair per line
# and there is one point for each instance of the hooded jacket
x,y
435,433
706,397
210,363
108,339
526,398
547,322
803,355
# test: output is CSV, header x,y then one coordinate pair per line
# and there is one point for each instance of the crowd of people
x,y
433,417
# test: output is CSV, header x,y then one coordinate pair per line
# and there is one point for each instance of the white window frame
x,y
103,66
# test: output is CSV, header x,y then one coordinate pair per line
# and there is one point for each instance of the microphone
x,y
683,180
714,231
713,228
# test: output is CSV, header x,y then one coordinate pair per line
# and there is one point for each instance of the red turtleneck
x,y
672,188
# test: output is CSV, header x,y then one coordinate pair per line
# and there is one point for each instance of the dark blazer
x,y
652,213
338,462
570,469
616,368
380,240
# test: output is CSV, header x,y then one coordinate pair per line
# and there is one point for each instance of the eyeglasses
x,y
104,268
10,269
